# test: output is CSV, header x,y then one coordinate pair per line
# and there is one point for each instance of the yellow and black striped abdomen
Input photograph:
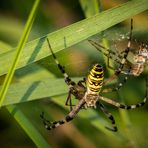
x,y
95,79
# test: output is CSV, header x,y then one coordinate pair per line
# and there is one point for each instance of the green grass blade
x,y
72,34
23,92
31,131
19,48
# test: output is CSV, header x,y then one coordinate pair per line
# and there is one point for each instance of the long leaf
x,y
23,92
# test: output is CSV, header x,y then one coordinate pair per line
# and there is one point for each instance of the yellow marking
x,y
96,75
95,79
94,87
91,82
94,90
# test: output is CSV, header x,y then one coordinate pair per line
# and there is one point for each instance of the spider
x,y
87,91
140,59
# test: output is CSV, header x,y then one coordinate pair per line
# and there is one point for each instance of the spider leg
x,y
110,116
69,101
123,106
126,51
110,53
80,83
61,68
50,125
117,87
119,105
44,120
99,47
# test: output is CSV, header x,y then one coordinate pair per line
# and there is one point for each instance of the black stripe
x,y
98,66
68,118
55,122
61,122
48,128
122,106
68,80
98,69
128,107
111,117
61,68
138,105
115,128
53,54
141,104
97,75
72,83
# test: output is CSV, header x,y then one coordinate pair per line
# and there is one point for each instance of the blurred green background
x,y
81,132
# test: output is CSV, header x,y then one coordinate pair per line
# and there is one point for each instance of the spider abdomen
x,y
95,79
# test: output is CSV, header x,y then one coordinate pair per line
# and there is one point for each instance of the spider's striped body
x,y
94,83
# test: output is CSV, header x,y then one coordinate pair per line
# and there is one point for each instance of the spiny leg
x,y
117,87
69,101
123,106
80,83
126,51
50,125
119,105
99,46
61,68
110,116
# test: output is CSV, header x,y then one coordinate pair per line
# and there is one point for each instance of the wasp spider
x,y
140,59
87,91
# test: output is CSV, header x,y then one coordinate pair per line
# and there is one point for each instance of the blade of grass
x,y
72,34
23,92
31,131
19,48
